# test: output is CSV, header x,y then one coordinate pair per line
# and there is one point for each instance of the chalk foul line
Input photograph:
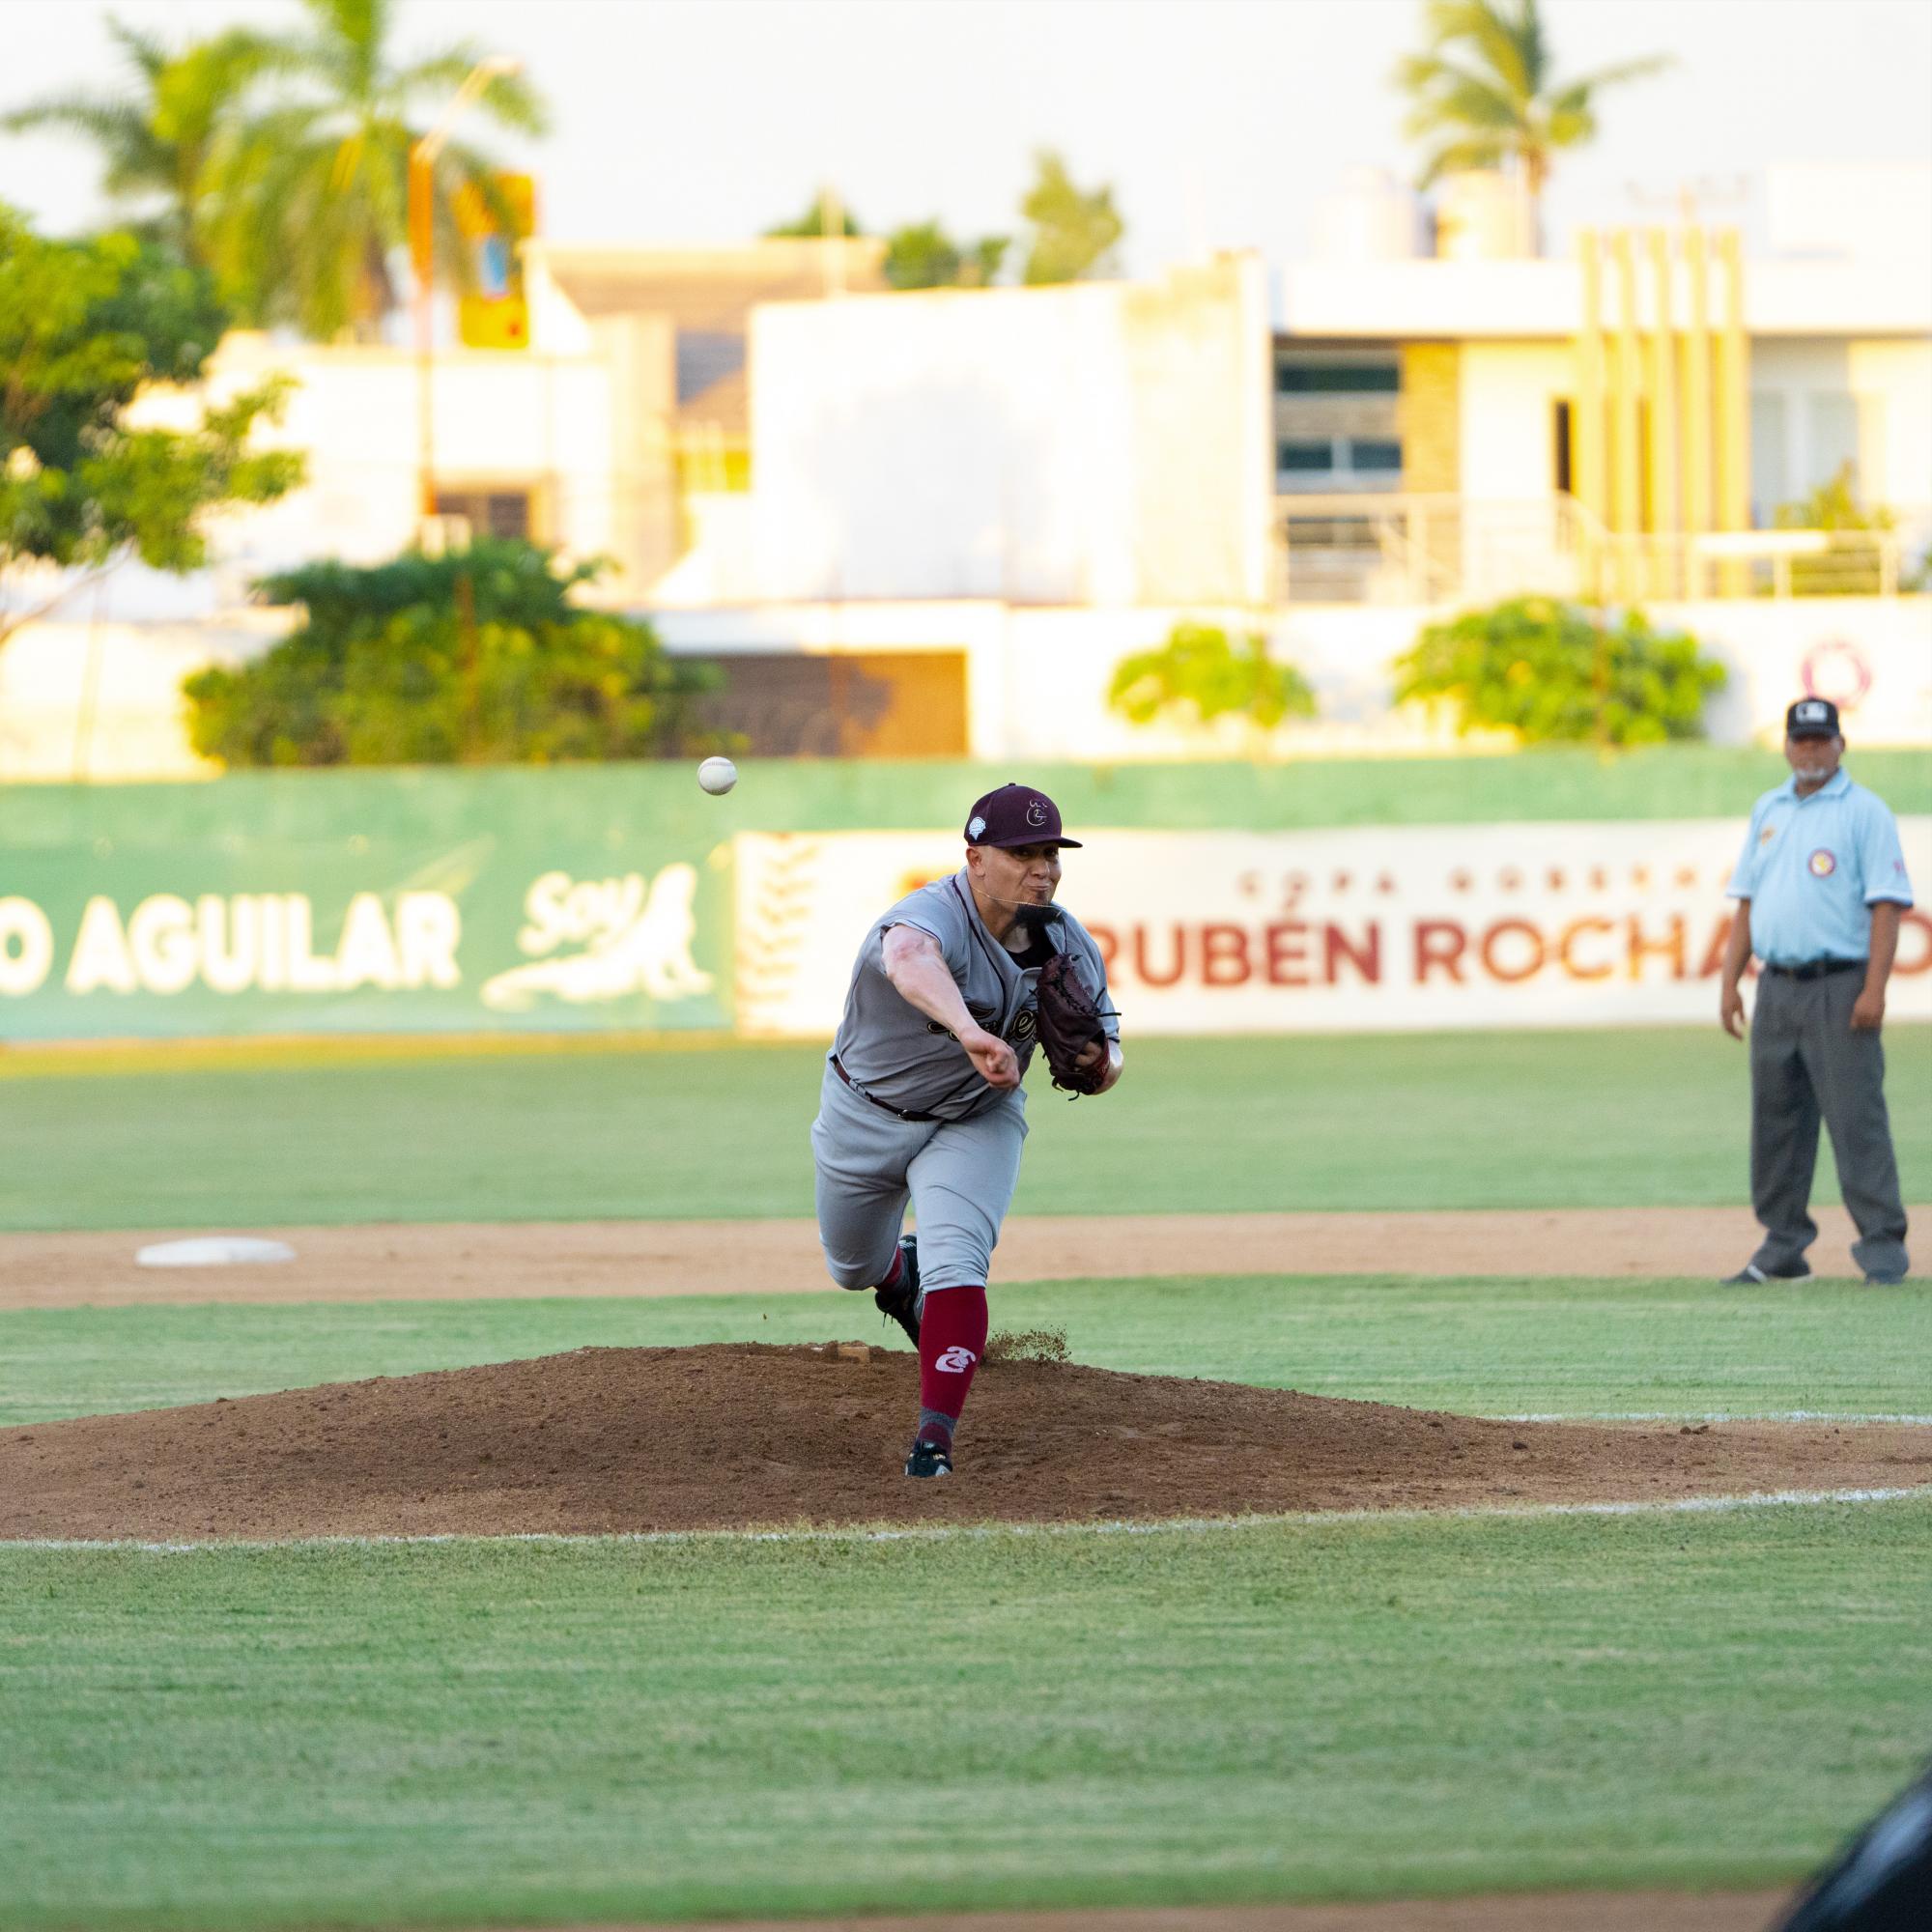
x,y
1858,1417
991,1531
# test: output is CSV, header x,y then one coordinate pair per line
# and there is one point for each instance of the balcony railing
x,y
1442,550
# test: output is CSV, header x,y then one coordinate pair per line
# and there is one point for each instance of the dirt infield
x,y
490,1261
737,1436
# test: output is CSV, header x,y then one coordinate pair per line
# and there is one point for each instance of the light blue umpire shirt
x,y
1813,867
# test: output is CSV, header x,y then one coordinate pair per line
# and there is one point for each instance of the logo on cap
x,y
1812,712
975,826
1036,812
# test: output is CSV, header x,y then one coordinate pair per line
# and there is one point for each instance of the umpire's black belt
x,y
903,1112
1817,969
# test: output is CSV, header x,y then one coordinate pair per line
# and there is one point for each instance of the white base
x,y
212,1251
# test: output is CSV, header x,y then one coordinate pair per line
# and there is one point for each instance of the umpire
x,y
1821,888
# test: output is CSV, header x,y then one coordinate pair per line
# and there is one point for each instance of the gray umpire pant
x,y
1806,1066
958,1175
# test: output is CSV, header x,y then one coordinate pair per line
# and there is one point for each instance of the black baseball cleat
x,y
1750,1276
1879,1278
930,1458
902,1301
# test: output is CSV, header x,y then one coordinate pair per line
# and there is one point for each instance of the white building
x,y
931,524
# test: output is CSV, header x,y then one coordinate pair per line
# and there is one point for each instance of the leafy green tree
x,y
984,259
1849,568
1483,93
922,255
307,200
1200,674
84,327
1075,232
158,137
1546,670
473,656
811,225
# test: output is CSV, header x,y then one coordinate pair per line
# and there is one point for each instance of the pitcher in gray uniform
x,y
923,1101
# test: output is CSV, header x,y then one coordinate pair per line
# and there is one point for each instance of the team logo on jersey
x,y
955,1361
1823,863
1769,833
1026,1023
1037,812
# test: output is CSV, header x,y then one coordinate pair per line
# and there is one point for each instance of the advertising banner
x,y
626,899
261,931
1371,929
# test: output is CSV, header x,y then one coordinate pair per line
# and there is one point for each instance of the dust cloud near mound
x,y
740,1436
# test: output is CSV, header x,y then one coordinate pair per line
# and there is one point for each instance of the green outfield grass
x,y
1603,1118
476,1733
496,1733
1480,1347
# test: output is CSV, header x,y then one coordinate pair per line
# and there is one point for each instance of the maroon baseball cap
x,y
1015,815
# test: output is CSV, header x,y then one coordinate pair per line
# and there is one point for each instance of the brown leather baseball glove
x,y
1069,1022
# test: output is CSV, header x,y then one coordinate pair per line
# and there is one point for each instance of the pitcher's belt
x,y
1817,969
903,1112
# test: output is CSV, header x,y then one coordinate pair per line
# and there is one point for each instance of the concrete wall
x,y
1102,443
97,698
1509,391
1517,300
102,700
1895,450
1038,678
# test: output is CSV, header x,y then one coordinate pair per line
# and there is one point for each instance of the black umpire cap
x,y
1015,815
1811,718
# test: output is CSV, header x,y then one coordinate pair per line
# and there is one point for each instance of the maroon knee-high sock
x,y
951,1339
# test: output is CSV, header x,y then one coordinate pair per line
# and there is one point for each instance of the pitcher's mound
x,y
739,1436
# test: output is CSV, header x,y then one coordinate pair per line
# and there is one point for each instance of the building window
x,y
1345,462
491,513
1770,468
1563,468
1374,456
1832,427
1337,379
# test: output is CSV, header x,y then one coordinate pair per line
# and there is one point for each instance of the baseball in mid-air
x,y
717,776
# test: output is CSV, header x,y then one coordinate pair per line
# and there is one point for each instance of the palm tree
x,y
1484,93
156,138
311,197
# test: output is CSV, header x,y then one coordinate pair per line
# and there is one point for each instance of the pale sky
x,y
1217,122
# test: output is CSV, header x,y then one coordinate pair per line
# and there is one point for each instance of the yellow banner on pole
x,y
493,314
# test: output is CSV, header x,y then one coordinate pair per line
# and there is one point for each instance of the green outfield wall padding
x,y
600,897
807,795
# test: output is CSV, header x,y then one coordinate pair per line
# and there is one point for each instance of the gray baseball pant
x,y
958,1175
1806,1066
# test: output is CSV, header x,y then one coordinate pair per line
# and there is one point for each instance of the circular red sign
x,y
1837,669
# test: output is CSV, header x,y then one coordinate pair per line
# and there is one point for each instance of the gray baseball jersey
x,y
913,1063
